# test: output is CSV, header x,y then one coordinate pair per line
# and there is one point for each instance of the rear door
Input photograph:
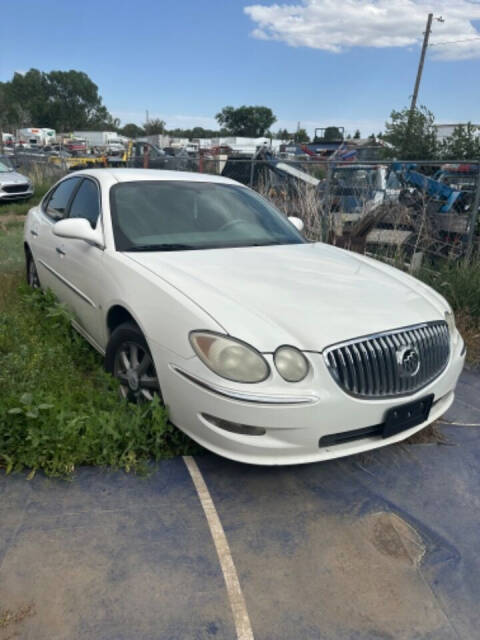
x,y
43,243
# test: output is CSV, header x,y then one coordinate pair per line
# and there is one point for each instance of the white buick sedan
x,y
265,348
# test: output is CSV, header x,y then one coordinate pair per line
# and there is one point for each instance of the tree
x,y
196,132
252,122
62,100
332,134
412,138
73,101
357,135
301,136
463,144
132,130
282,134
24,97
154,127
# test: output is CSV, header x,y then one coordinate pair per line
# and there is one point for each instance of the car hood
x,y
12,177
307,295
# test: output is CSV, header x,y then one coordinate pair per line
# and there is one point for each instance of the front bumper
x,y
295,416
22,195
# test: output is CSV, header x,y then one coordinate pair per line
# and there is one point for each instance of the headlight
x,y
229,358
450,320
291,364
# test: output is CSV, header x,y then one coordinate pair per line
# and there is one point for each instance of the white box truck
x,y
36,136
105,140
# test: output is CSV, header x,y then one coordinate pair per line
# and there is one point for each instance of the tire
x,y
33,280
128,359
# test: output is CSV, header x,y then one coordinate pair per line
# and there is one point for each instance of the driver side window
x,y
86,203
57,204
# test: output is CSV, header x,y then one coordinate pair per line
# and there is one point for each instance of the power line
x,y
437,44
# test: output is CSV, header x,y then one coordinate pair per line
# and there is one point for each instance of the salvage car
x,y
265,348
13,185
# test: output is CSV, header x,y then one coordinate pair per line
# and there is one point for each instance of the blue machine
x,y
431,187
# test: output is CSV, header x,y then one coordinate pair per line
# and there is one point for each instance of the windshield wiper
x,y
161,247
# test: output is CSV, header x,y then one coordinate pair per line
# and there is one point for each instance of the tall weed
x,y
58,408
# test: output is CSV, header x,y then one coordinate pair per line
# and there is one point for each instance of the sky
x,y
317,62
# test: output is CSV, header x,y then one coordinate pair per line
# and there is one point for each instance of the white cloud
x,y
336,26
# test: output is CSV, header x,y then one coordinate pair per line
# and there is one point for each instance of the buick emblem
x,y
408,360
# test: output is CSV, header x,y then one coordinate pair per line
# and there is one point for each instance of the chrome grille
x,y
381,365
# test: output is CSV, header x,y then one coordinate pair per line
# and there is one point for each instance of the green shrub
x,y
459,282
58,407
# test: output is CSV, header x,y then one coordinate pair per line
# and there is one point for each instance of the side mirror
x,y
79,229
297,223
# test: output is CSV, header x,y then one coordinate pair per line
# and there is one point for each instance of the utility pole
x,y
421,63
413,104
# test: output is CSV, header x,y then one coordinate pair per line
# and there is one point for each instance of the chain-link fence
x,y
407,212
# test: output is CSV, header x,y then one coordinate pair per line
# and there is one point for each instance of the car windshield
x,y
5,165
181,215
355,178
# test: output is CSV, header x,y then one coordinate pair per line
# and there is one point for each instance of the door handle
x,y
34,233
60,251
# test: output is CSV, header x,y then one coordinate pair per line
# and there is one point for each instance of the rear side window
x,y
86,203
58,201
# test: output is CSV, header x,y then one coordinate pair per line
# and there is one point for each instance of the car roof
x,y
133,175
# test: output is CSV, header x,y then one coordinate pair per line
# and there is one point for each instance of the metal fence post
x,y
326,222
473,218
252,169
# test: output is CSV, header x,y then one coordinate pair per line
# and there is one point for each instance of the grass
x,y
58,408
21,207
11,245
459,283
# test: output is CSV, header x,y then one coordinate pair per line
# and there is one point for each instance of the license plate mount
x,y
406,416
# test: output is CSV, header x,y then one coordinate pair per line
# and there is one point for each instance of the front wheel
x,y
128,359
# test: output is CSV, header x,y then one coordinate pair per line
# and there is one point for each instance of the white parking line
x,y
235,595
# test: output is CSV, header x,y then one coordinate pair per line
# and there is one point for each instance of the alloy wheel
x,y
133,366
